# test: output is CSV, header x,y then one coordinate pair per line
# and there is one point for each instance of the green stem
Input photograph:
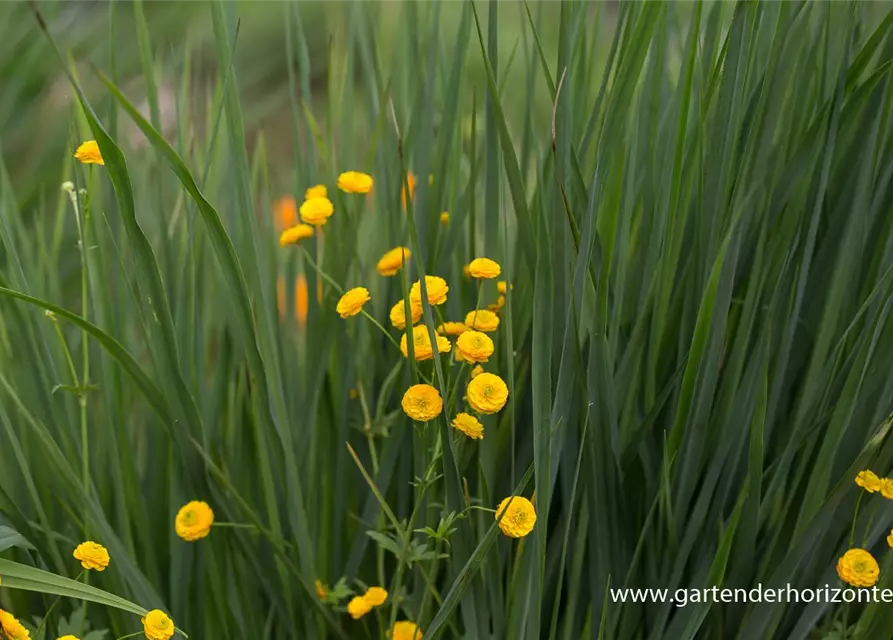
x,y
50,610
855,517
235,525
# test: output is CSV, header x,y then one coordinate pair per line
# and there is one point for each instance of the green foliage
x,y
691,202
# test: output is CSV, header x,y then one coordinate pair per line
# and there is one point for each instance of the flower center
x,y
189,517
859,567
488,391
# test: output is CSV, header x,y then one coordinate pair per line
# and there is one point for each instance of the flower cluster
x,y
361,605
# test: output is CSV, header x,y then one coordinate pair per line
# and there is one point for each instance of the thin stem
x,y
319,271
235,525
50,610
855,517
381,328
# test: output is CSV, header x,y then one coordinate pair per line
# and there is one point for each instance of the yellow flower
x,y
375,596
358,607
422,344
474,346
405,630
444,218
483,268
398,314
868,480
858,568
469,425
422,402
393,260
351,303
294,234
92,555
68,637
194,521
157,625
316,211
322,591
519,518
502,287
355,182
411,181
890,539
285,210
452,328
482,320
319,191
12,628
887,488
302,300
478,370
88,153
436,288
487,393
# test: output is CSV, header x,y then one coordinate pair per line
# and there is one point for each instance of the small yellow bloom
x,y
887,488
422,402
302,300
405,630
482,320
88,153
68,637
319,191
483,268
422,344
444,218
519,518
393,260
285,210
398,314
351,303
92,556
157,625
355,182
474,346
358,607
487,393
469,425
375,596
868,480
436,288
12,628
322,591
294,234
858,568
411,181
316,211
890,539
498,305
502,287
194,521
452,328
476,371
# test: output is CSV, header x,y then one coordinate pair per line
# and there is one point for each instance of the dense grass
x,y
697,344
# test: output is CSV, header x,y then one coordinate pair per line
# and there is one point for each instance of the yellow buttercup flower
x,y
405,630
858,568
487,393
319,191
92,556
436,288
68,637
285,210
157,625
482,320
375,596
355,182
484,268
452,328
469,425
302,300
294,234
444,218
519,518
474,346
351,303
422,402
194,521
887,488
88,153
316,211
503,287
498,305
411,181
12,628
868,480
398,314
422,344
358,607
393,260
476,371
322,591
890,539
